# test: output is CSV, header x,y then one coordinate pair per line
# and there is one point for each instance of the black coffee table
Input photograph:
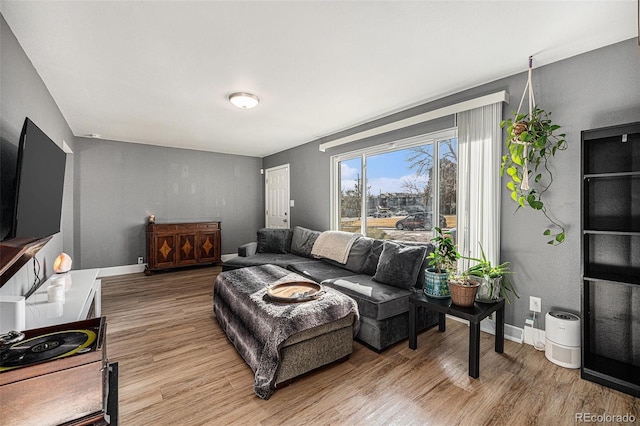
x,y
473,314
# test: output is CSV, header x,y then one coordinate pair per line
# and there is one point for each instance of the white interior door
x,y
277,197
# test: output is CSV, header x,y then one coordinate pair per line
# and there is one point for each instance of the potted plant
x,y
494,280
443,262
532,139
463,288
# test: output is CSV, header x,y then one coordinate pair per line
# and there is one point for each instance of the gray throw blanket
x,y
257,326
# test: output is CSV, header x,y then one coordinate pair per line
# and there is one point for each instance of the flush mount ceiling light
x,y
244,100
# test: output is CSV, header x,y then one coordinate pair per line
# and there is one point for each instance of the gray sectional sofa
x,y
378,274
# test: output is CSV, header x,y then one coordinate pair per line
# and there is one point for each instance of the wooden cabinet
x,y
611,257
171,245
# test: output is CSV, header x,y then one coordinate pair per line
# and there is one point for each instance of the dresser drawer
x,y
208,226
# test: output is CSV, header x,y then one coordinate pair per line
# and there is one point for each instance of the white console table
x,y
83,292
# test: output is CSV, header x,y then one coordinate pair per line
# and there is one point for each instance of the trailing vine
x,y
532,139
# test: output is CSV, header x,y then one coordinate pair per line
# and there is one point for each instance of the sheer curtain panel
x,y
480,148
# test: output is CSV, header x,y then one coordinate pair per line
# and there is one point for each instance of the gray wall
x,y
118,185
23,94
596,89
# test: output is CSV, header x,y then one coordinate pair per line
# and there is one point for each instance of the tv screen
x,y
39,184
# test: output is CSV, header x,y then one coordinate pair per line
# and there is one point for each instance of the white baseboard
x,y
515,334
534,337
134,269
121,270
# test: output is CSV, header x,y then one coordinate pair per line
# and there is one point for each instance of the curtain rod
x,y
502,96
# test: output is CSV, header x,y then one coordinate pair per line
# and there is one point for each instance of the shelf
x,y
613,374
611,257
16,253
612,254
612,203
611,278
610,175
612,325
83,290
612,150
603,232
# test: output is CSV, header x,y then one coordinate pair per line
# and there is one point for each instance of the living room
x,y
113,185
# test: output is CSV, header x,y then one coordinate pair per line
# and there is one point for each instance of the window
x,y
399,191
394,191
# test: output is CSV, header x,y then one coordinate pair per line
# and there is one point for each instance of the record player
x,y
55,375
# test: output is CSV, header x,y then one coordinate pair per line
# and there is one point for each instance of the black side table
x,y
473,314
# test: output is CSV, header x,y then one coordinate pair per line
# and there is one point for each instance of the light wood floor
x,y
177,368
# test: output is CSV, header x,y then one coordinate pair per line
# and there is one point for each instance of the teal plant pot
x,y
436,284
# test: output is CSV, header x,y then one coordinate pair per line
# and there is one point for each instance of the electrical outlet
x,y
140,260
535,304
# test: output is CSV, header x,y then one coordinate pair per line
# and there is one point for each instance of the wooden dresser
x,y
172,245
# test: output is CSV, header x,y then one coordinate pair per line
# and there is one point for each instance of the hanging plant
x,y
532,139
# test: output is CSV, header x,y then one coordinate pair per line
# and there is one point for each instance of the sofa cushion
x,y
357,256
274,240
399,265
302,241
425,263
318,270
375,300
282,260
371,264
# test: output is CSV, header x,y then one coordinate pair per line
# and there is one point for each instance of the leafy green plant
x,y
461,278
532,139
444,257
484,269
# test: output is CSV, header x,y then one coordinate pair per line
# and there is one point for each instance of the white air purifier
x,y
12,315
562,336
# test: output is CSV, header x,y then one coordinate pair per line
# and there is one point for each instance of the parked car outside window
x,y
382,213
419,221
378,213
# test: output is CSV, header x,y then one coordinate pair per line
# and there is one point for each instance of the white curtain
x,y
479,155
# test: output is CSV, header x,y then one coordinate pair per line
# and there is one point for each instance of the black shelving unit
x,y
611,257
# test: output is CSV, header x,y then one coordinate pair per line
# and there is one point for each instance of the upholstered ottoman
x,y
280,341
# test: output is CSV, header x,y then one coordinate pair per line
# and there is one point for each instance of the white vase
x,y
489,290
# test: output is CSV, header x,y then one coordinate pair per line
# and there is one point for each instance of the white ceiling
x,y
160,72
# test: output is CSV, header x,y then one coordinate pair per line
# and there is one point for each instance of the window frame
x,y
334,191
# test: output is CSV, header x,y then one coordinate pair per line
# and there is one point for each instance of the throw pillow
x,y
302,241
425,264
399,266
371,264
357,256
273,240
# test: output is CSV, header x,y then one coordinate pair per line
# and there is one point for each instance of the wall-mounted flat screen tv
x,y
39,184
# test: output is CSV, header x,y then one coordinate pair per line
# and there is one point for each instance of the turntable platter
x,y
45,347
